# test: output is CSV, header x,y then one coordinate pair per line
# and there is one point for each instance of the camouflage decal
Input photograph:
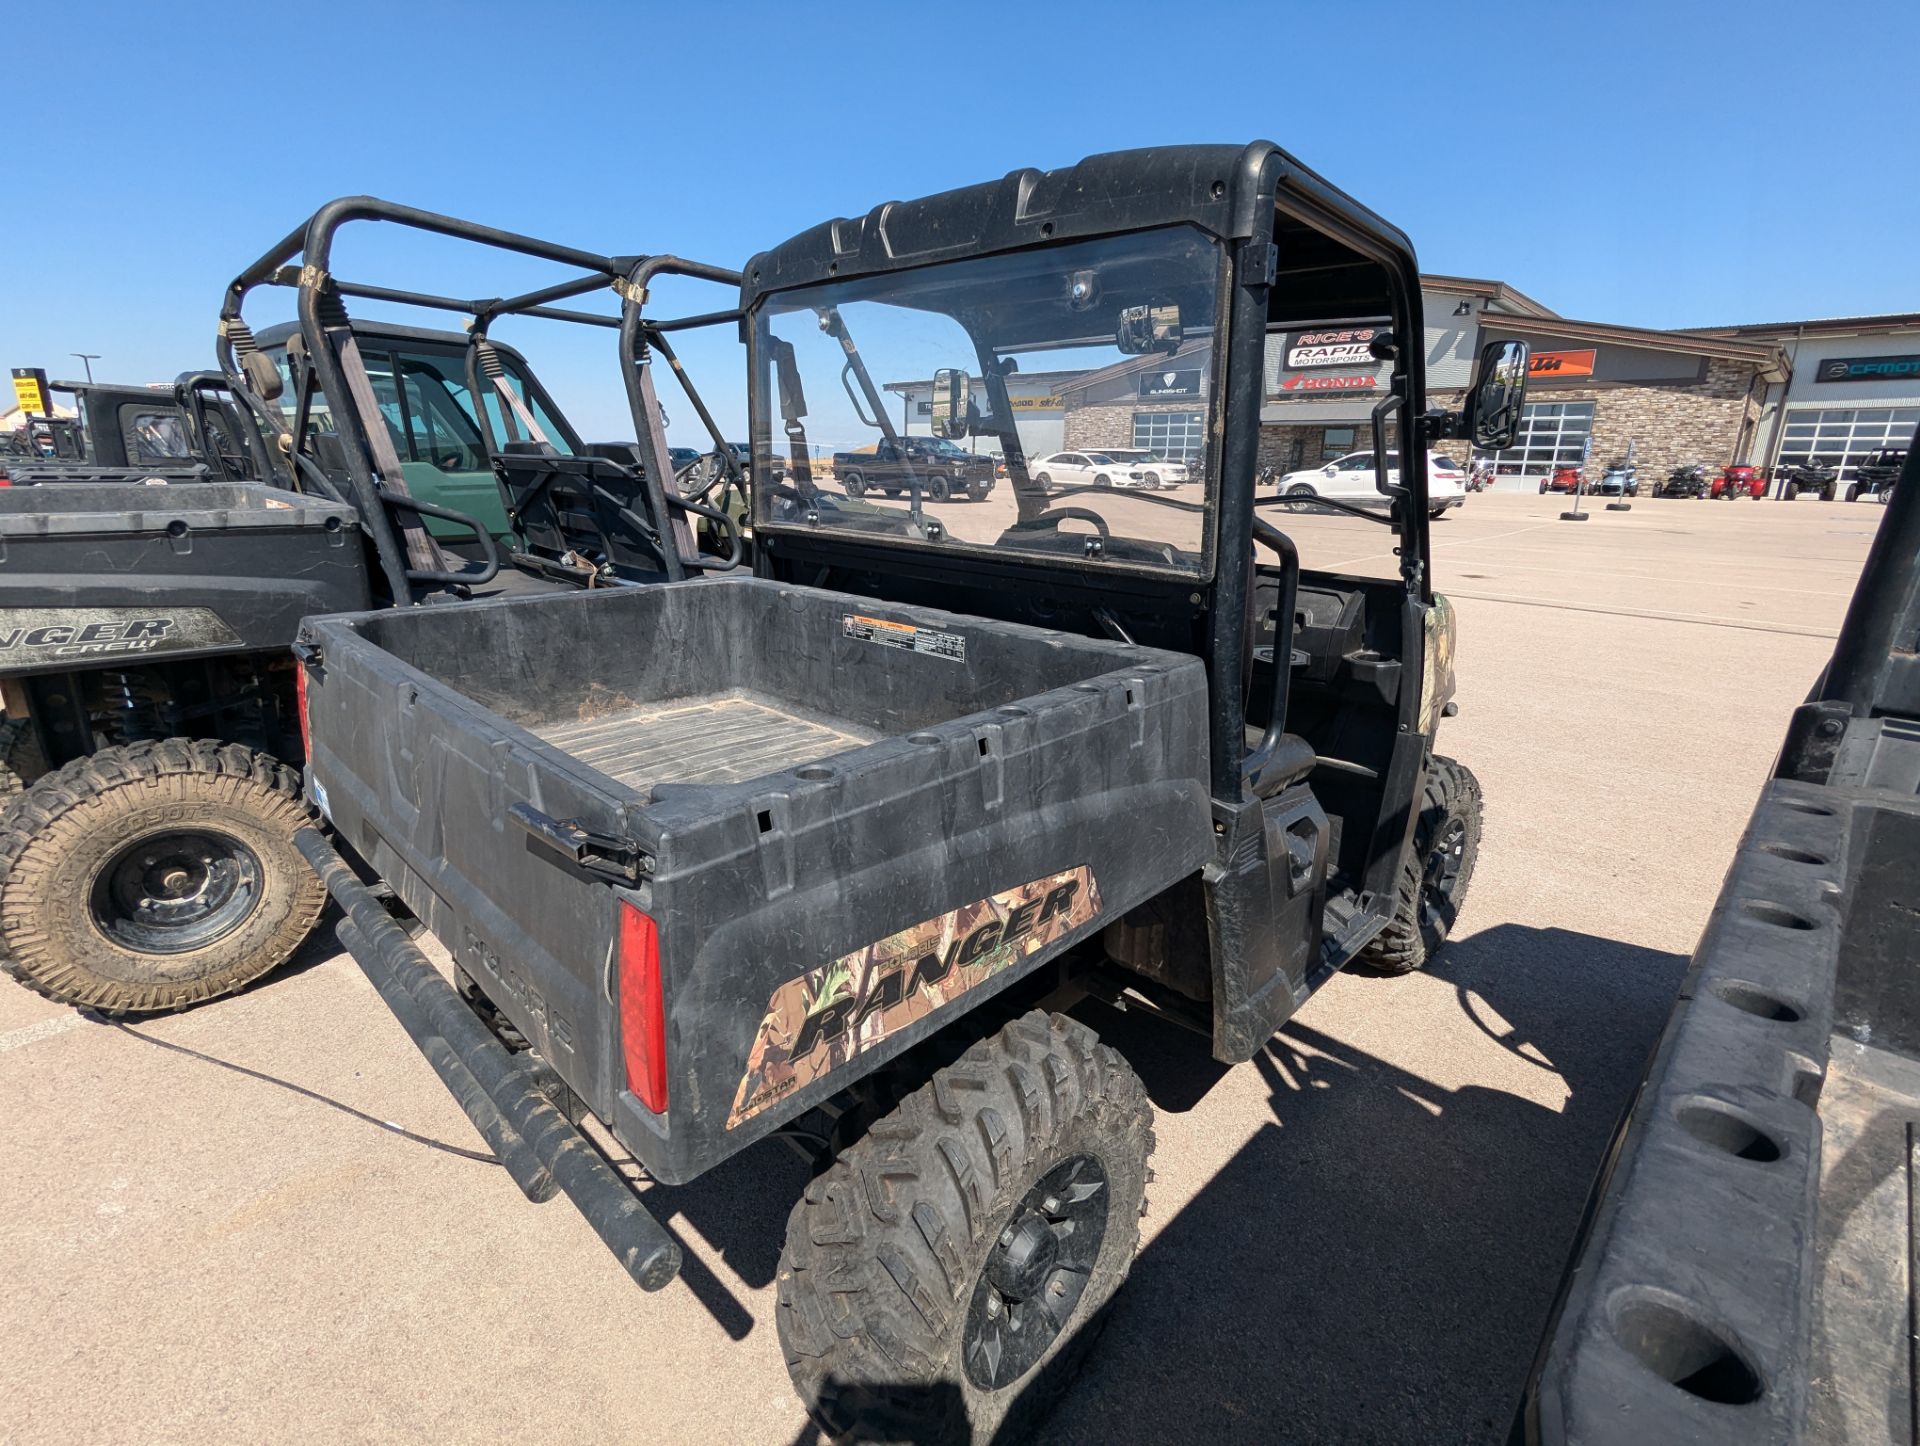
x,y
818,1022
1436,667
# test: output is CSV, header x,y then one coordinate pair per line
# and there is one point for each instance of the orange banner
x,y
1560,364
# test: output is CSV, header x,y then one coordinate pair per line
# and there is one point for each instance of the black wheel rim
x,y
169,893
1440,876
1036,1273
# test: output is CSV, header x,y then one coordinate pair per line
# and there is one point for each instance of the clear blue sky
x,y
1665,164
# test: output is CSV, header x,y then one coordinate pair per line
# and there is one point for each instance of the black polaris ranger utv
x,y
145,631
190,432
819,855
1750,1265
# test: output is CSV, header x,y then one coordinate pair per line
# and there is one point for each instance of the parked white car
x,y
1153,469
1121,468
1350,479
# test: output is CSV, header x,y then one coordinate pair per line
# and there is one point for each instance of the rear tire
x,y
155,876
1434,878
1042,481
21,760
1853,492
856,485
926,1292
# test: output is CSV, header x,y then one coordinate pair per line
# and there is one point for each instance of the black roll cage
x,y
407,555
1241,197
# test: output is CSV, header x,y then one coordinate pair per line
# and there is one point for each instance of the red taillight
x,y
643,1025
300,699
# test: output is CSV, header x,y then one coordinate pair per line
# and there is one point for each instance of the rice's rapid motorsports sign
x,y
1344,346
1868,369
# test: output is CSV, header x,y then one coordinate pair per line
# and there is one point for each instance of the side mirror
x,y
1146,329
952,402
1491,418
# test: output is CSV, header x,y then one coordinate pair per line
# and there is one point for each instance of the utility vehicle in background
x,y
1817,475
145,631
1876,473
189,432
1746,1273
822,851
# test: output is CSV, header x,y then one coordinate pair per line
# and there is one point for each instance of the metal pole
x,y
87,359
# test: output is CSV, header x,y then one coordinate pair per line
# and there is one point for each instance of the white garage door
x,y
1551,434
1842,436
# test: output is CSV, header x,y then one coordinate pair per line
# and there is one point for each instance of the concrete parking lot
x,y
267,1220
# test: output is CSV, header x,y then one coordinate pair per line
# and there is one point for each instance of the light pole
x,y
87,359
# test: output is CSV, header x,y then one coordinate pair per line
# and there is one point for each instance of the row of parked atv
x,y
1873,478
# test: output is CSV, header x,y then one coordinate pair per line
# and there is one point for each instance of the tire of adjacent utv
x,y
154,876
892,1315
1439,866
21,761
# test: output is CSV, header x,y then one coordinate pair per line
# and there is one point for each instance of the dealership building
x,y
1768,395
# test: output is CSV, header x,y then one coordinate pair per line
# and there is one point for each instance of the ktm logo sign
x,y
1560,364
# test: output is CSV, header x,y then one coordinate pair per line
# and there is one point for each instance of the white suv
x,y
1350,479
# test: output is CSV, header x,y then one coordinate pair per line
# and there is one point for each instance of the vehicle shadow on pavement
x,y
1377,1263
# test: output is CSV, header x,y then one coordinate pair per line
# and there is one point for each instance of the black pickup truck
x,y
944,470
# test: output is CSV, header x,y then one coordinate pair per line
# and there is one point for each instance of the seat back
x,y
594,507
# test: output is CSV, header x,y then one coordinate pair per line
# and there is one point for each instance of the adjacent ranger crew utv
x,y
822,857
1747,1274
145,631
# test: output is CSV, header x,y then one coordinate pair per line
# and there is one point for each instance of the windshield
x,y
1030,348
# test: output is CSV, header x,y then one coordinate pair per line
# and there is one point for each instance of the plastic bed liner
x,y
725,738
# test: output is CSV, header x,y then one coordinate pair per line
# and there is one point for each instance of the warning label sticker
x,y
904,635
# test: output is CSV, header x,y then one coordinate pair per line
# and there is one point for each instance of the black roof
x,y
1214,187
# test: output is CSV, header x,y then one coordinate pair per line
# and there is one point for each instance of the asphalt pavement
x,y
267,1220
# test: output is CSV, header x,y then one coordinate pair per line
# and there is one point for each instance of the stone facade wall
x,y
1111,424
1712,420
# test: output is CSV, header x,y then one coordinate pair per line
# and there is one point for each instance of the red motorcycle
x,y
1564,479
1738,482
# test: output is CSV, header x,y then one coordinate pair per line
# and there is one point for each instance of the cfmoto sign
x,y
1868,369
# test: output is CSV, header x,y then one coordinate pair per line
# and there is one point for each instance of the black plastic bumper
x,y
541,1149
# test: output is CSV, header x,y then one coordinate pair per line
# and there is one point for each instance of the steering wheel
x,y
1050,520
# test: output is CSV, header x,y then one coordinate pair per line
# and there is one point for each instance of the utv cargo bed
x,y
801,807
92,572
